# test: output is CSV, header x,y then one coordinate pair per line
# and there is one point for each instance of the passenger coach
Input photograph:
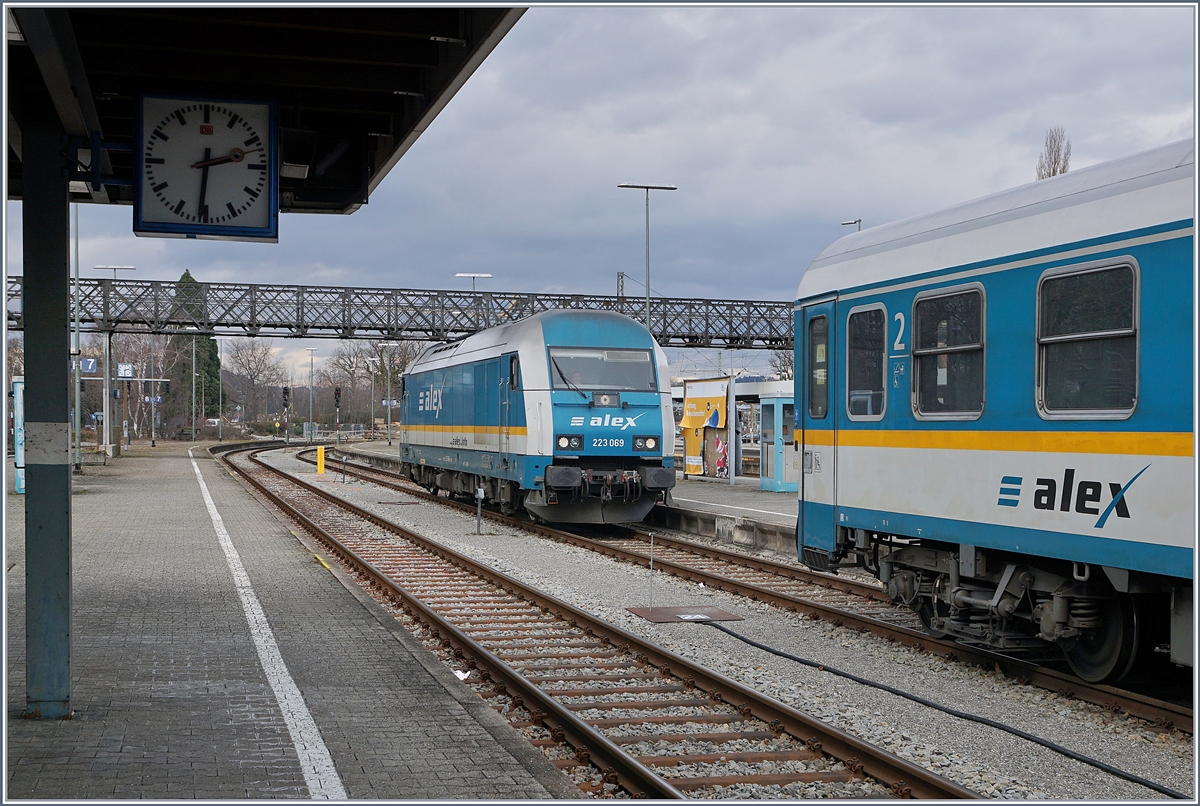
x,y
566,414
995,407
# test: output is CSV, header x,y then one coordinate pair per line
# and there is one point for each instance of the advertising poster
x,y
704,404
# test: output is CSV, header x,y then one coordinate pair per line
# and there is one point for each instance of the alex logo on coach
x,y
1084,497
608,420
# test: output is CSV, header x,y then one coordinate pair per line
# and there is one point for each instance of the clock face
x,y
207,169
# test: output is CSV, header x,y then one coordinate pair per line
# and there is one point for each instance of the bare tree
x,y
1055,158
16,358
782,364
256,368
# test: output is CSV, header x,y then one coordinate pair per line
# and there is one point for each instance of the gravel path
x,y
984,759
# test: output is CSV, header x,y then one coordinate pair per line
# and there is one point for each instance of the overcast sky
x,y
776,124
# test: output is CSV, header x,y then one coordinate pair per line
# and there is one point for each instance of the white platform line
x,y
730,506
319,773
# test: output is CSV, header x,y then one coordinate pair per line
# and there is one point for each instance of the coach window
x,y
866,362
818,364
1087,342
948,354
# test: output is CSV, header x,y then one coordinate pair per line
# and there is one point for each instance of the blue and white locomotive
x,y
566,414
995,408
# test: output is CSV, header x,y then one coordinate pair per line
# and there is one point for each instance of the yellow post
x,y
320,461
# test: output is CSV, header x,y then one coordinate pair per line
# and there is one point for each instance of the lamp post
x,y
387,345
311,352
647,188
78,359
857,221
474,276
107,408
373,365
220,385
193,387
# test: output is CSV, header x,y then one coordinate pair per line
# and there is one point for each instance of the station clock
x,y
206,168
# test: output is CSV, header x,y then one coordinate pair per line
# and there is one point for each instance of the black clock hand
x,y
236,155
203,211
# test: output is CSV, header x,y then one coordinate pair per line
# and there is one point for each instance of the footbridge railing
x,y
243,309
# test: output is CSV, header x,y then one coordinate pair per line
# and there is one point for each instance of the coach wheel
x,y
1106,653
926,613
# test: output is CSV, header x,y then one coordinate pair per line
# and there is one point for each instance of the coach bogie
x,y
1020,606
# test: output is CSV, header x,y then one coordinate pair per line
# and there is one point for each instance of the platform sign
x,y
124,370
87,366
18,412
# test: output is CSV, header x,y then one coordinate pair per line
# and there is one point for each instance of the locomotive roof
x,y
515,334
953,236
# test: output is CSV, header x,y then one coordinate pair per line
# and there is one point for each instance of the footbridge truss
x,y
241,309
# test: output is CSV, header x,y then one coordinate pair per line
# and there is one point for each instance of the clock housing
x,y
206,168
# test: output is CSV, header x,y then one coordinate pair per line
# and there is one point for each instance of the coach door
x,y
816,418
510,383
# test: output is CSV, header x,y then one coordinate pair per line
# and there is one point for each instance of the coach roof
x,y
953,237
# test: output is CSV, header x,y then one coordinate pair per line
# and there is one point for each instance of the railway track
x,y
840,600
652,722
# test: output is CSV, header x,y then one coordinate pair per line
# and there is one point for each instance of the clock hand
x,y
236,155
203,211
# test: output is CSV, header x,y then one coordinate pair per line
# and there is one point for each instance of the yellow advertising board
x,y
704,404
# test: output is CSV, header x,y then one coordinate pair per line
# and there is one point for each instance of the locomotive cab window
x,y
1087,342
948,354
818,367
866,363
514,373
623,370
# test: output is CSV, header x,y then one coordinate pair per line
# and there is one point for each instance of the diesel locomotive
x,y
566,414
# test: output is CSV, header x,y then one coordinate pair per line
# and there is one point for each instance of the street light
x,y
473,275
647,188
107,352
311,351
476,302
388,353
857,221
373,365
220,385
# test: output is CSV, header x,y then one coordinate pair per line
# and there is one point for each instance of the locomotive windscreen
x,y
610,370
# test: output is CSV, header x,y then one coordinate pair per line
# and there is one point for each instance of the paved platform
x,y
717,496
177,693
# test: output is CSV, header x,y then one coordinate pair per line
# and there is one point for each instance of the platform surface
x,y
170,696
741,500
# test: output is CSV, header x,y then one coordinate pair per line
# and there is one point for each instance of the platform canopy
x,y
355,86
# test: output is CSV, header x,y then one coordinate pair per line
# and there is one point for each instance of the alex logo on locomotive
x,y
608,421
430,400
1085,496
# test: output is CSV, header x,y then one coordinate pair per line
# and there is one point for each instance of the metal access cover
x,y
661,615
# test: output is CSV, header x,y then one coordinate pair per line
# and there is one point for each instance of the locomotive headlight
x,y
651,443
564,442
569,442
577,442
639,443
645,443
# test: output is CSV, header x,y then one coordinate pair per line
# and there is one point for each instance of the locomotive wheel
x,y
926,613
1106,654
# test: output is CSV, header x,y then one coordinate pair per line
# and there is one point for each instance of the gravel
x,y
986,760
